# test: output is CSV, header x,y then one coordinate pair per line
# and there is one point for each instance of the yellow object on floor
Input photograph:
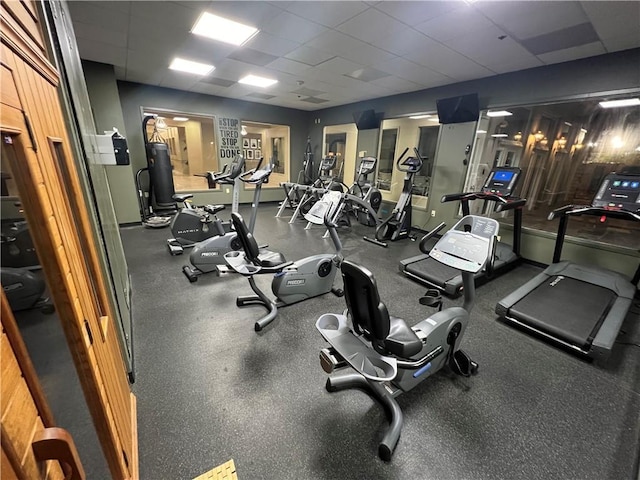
x,y
226,471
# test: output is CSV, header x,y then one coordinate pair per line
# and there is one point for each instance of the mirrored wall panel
x,y
564,150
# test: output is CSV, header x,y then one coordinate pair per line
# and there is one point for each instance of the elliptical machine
x,y
398,225
292,282
160,205
363,189
194,224
208,255
386,357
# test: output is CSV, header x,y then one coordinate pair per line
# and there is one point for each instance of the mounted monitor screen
x,y
465,108
367,119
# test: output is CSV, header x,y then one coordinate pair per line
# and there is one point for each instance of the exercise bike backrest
x,y
248,241
369,315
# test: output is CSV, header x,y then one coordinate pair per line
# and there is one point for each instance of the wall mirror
x,y
564,151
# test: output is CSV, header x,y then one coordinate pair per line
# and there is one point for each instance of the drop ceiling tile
x,y
403,68
397,84
622,42
261,96
485,46
611,18
252,57
348,47
308,92
412,12
569,37
162,15
267,43
314,100
339,65
367,74
582,51
401,43
292,27
526,19
521,63
101,13
288,66
309,56
366,26
218,82
447,62
100,34
465,21
329,14
103,53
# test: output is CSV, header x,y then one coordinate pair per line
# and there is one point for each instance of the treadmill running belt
x,y
568,309
433,271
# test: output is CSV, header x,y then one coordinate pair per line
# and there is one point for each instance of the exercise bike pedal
x,y
338,292
462,365
432,298
174,247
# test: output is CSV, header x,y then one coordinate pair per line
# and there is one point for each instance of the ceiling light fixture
x,y
418,117
181,119
182,65
481,132
498,113
624,102
499,135
223,29
243,131
160,123
257,81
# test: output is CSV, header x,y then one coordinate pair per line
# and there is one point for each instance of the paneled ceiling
x,y
325,54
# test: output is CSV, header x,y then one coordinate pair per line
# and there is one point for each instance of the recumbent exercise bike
x,y
386,357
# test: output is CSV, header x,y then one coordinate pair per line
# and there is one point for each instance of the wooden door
x,y
35,143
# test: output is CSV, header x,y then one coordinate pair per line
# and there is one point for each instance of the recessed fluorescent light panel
x,y
625,102
418,117
499,135
180,119
188,66
222,29
498,113
257,81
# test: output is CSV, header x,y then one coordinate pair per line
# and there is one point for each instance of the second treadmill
x,y
498,188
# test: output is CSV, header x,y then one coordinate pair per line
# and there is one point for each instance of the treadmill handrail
x,y
508,202
577,210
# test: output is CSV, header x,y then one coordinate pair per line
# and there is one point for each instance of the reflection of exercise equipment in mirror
x,y
292,282
363,188
497,190
380,353
194,224
398,225
159,205
208,256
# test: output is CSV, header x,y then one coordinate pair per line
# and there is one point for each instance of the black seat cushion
x,y
402,340
213,209
267,258
181,197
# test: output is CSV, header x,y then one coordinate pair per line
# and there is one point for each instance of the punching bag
x,y
160,171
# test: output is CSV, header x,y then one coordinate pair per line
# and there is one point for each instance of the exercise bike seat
x,y
260,257
370,317
213,209
182,197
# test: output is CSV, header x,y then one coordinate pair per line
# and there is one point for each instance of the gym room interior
x,y
320,239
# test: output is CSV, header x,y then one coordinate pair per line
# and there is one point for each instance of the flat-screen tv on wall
x,y
464,108
367,119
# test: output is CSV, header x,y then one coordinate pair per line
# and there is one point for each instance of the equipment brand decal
x,y
209,254
293,283
556,281
189,230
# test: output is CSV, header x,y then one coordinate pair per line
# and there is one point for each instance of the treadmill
x,y
578,306
498,189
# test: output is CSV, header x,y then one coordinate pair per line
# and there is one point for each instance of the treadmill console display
x,y
501,181
328,162
367,165
619,192
466,246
